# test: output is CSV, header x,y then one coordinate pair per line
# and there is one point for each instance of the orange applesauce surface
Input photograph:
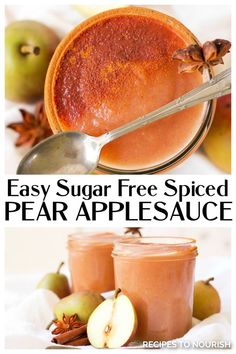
x,y
121,68
90,261
157,274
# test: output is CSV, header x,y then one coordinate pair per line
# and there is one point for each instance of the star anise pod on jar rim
x,y
66,324
33,128
196,57
134,231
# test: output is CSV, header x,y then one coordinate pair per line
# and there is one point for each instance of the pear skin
x,y
29,46
82,303
217,144
206,299
56,282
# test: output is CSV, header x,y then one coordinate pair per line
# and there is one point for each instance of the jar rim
x,y
86,239
161,246
145,240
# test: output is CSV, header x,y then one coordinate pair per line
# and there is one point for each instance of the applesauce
x,y
157,274
90,261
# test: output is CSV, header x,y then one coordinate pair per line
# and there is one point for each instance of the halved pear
x,y
113,323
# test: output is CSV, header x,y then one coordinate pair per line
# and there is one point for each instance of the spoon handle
x,y
219,86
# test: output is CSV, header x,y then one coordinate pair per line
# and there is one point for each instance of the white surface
x,y
213,22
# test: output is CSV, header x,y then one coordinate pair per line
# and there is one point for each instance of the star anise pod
x,y
33,128
133,231
66,324
194,57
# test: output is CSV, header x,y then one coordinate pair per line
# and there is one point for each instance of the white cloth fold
x,y
26,322
213,328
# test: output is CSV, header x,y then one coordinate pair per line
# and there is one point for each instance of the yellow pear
x,y
56,282
217,144
206,300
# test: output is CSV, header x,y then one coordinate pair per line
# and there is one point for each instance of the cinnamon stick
x,y
79,341
70,335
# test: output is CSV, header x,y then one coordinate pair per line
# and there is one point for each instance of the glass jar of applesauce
x,y
157,274
99,79
90,261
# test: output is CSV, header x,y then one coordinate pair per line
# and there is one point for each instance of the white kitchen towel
x,y
215,328
26,323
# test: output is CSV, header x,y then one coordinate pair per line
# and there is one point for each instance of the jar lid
x,y
168,248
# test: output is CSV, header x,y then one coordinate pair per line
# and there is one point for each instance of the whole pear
x,y
206,300
217,144
29,46
82,303
56,282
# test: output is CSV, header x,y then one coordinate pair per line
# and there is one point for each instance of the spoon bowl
x,y
70,153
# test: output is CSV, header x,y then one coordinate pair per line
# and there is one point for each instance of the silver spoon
x,y
78,153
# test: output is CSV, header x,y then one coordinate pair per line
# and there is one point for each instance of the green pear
x,y
56,282
217,144
82,303
29,46
206,299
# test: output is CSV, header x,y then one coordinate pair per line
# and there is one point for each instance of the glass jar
x,y
90,261
132,75
157,274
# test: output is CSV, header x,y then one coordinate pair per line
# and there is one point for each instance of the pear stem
x,y
29,49
207,282
117,293
59,267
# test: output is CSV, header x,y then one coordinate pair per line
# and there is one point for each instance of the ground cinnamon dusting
x,y
106,60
